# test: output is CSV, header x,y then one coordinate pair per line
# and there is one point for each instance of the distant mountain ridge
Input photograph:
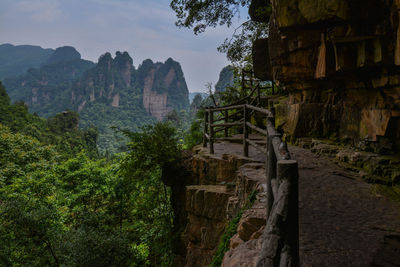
x,y
109,93
63,54
45,89
16,59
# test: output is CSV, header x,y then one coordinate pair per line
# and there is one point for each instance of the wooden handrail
x,y
264,111
281,242
281,234
264,132
230,124
224,108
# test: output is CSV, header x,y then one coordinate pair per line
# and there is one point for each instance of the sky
x,y
143,28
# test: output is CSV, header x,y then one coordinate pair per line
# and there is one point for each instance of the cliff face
x,y
338,59
105,82
223,186
164,87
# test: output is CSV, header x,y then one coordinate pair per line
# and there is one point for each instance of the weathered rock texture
x,y
338,59
105,82
224,182
206,207
245,246
164,87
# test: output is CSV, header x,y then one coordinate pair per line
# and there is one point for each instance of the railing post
x,y
271,172
272,109
245,133
205,131
258,95
288,170
273,85
211,122
226,121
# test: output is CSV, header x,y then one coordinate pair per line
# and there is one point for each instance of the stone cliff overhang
x,y
341,56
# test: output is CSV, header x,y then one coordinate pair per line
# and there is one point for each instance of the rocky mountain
x,y
111,93
45,89
164,87
192,95
225,79
16,59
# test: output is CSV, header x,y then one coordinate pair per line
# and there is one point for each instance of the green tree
x,y
153,156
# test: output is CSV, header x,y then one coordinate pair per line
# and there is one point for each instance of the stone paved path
x,y
342,223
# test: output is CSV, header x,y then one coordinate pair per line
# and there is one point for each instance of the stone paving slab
x,y
342,223
227,148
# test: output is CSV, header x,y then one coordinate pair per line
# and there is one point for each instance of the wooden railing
x,y
281,238
248,81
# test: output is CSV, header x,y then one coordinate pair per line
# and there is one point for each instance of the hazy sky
x,y
143,28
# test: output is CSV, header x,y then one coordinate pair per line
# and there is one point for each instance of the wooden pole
x,y
272,87
211,120
226,121
280,245
287,170
272,109
245,133
205,131
271,172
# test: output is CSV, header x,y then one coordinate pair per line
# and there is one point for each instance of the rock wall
x,y
246,244
224,183
164,87
338,60
206,207
154,103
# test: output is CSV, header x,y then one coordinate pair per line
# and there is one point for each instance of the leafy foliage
x,y
63,205
155,146
61,131
194,135
238,47
85,212
154,152
202,14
